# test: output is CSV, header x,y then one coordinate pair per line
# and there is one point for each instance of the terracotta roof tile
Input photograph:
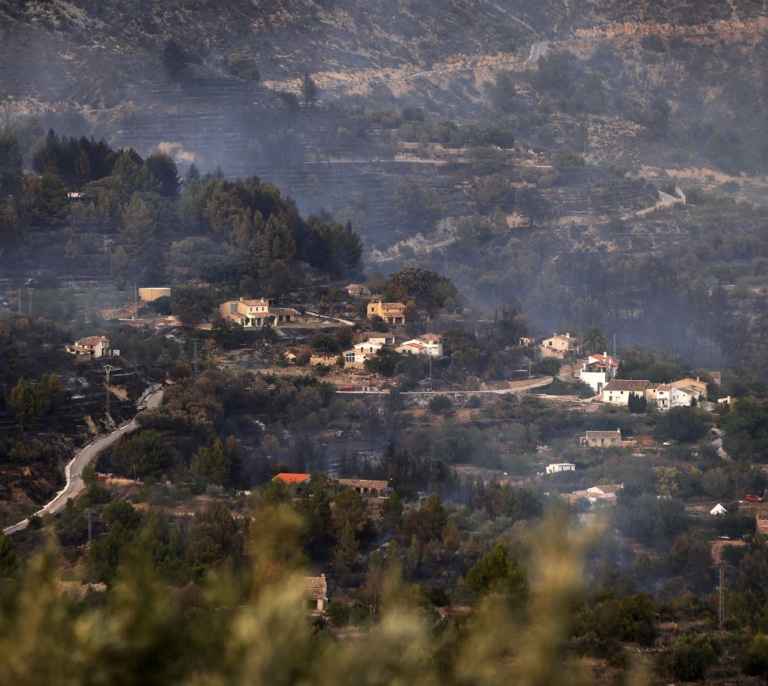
x,y
290,478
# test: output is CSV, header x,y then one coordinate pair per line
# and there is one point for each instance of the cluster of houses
x,y
429,344
686,392
599,372
315,588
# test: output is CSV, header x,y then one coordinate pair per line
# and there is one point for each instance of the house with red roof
x,y
598,371
429,344
291,478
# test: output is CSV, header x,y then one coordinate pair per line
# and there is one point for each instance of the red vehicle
x,y
347,388
753,498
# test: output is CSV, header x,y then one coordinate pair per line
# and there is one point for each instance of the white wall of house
x,y
418,346
595,380
561,467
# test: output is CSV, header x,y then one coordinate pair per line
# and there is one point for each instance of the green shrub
x,y
440,404
754,659
338,612
688,658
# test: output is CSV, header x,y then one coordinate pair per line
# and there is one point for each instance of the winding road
x,y
74,469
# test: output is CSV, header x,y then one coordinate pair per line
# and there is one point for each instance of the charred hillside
x,y
432,132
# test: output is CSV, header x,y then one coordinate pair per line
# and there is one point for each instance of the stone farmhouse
x,y
93,347
605,439
253,314
391,313
559,346
316,592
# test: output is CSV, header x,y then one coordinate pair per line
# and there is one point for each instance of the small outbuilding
x,y
561,467
316,592
718,510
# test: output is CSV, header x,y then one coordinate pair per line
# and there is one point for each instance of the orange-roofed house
x,y
598,372
392,313
291,478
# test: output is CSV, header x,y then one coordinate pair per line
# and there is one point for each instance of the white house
x,y
617,391
604,493
662,394
361,352
93,347
597,371
718,510
682,393
429,344
561,467
379,338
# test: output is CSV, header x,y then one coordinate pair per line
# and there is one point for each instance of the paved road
x,y
537,383
538,50
74,469
333,319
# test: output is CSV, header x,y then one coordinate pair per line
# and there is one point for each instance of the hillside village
x,y
598,371
411,342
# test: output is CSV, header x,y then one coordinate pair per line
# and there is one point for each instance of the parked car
x,y
750,497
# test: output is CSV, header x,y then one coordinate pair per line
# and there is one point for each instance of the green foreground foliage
x,y
251,626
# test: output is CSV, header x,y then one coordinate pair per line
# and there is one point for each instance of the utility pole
x,y
720,567
29,290
721,604
135,301
108,419
429,354
89,515
195,343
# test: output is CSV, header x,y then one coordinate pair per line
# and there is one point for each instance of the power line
x,y
108,419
